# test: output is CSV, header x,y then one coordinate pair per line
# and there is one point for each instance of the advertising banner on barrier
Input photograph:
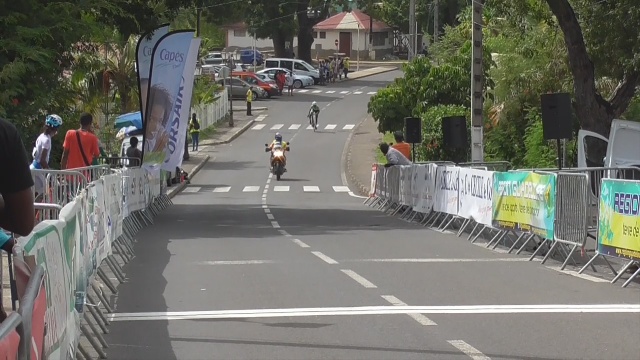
x,y
55,253
426,187
619,219
446,200
374,171
167,65
475,195
524,201
144,50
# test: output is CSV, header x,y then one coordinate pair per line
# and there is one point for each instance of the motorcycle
x,y
278,160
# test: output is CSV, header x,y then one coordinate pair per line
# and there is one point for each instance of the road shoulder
x,y
361,155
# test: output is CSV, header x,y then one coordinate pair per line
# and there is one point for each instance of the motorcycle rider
x,y
314,110
278,141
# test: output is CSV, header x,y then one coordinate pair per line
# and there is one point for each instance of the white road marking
x,y
469,350
283,232
277,126
275,225
260,117
341,189
330,92
421,319
362,281
192,189
575,274
294,127
344,92
300,243
348,127
267,210
357,92
317,91
251,189
258,127
281,188
330,126
378,310
264,206
324,257
270,217
238,262
371,92
309,127
311,189
438,260
222,189
303,91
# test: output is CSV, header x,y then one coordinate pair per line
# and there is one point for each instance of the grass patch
x,y
388,138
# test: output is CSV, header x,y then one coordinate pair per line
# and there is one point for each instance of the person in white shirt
x,y
42,149
289,82
394,157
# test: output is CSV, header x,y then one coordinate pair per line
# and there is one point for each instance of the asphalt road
x,y
237,239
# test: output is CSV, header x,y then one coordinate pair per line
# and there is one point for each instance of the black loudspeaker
x,y
556,116
454,132
412,130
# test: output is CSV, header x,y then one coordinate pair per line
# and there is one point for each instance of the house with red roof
x,y
238,37
348,33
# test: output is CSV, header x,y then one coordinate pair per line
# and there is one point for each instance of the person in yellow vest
x,y
347,62
249,99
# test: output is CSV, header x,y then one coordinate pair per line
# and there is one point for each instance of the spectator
x,y
80,146
194,129
133,151
400,145
394,157
42,150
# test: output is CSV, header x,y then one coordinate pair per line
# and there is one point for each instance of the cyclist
x,y
314,110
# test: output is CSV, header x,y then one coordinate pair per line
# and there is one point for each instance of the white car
x,y
299,81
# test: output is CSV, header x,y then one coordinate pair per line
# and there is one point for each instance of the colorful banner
x,y
181,111
475,195
144,50
619,219
524,201
167,67
446,200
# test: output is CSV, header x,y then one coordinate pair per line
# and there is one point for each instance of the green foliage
x,y
432,148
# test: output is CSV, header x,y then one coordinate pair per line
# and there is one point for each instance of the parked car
x,y
247,56
300,67
251,78
299,81
213,58
238,88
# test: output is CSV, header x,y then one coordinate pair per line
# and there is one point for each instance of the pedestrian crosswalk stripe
x,y
251,189
357,92
309,127
303,90
341,188
275,188
317,91
371,93
294,127
348,127
221,189
330,126
258,127
261,117
310,189
344,92
192,189
277,126
281,188
330,92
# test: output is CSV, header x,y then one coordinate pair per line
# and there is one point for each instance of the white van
x,y
300,67
623,145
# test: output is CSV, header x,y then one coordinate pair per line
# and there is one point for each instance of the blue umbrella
x,y
130,119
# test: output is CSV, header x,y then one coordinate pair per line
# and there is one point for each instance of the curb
x,y
234,136
360,188
372,74
258,108
176,190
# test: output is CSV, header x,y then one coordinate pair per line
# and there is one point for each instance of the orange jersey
x,y
404,148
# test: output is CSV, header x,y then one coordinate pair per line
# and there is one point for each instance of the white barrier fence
x,y
559,209
215,112
93,234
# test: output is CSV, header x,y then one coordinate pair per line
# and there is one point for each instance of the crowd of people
x,y
332,69
398,153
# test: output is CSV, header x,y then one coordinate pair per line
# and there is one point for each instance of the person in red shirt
x,y
80,146
402,146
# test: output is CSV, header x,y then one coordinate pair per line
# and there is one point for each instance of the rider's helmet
x,y
278,137
313,103
53,121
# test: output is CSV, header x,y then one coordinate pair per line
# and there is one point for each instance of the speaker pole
x,y
413,152
559,146
477,80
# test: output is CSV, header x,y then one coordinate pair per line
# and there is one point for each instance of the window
x,y
380,39
239,33
323,34
299,66
315,34
286,64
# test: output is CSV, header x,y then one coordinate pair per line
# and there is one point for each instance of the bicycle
x,y
313,120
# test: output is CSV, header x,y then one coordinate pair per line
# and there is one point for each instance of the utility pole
x,y
436,25
412,29
477,81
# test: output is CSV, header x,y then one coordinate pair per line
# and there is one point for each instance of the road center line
x,y
300,243
421,319
469,350
238,262
324,257
439,260
359,279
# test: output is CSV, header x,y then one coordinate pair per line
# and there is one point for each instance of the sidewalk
x,y
361,154
368,72
224,134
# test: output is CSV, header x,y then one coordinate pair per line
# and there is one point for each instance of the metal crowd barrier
x,y
576,210
120,161
10,338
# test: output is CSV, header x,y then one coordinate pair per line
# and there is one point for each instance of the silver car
x,y
240,87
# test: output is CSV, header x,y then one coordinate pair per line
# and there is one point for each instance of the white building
x,y
238,37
